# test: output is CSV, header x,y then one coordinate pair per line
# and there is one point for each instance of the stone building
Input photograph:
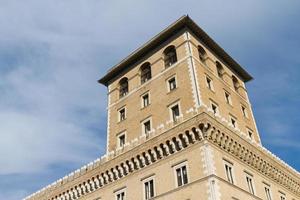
x,y
180,126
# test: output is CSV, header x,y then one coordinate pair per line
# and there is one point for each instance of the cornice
x,y
195,126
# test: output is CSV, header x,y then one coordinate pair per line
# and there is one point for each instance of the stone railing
x,y
253,155
168,147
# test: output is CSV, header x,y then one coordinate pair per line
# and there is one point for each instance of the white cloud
x,y
53,52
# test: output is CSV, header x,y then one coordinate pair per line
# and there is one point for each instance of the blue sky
x,y
52,52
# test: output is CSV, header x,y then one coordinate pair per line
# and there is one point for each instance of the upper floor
x,y
177,71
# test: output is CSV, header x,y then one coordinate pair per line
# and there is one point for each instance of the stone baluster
x,y
97,182
93,184
185,139
88,186
192,135
159,151
179,143
148,158
166,148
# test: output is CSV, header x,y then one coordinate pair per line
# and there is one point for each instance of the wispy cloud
x,y
52,111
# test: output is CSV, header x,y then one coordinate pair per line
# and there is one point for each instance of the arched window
x,y
220,69
202,54
123,87
170,56
236,83
145,72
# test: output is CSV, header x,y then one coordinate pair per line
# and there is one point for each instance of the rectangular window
x,y
181,175
122,114
122,140
229,172
120,195
149,189
175,112
227,98
209,83
147,127
250,134
268,193
172,83
250,183
145,100
214,108
244,111
233,121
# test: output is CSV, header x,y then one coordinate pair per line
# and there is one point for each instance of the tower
x,y
180,126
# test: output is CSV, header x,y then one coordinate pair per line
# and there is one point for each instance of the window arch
x,y
220,69
202,53
145,72
123,87
170,56
235,82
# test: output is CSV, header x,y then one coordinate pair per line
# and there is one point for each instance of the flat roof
x,y
182,23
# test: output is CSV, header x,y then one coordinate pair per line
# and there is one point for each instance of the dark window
x,y
145,99
122,140
214,108
236,83
122,114
209,83
172,84
202,54
170,56
149,189
233,122
268,194
145,72
250,134
244,110
123,87
182,177
220,69
228,169
147,127
121,196
175,112
250,184
227,97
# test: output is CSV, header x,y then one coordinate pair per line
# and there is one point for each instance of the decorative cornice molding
x,y
198,124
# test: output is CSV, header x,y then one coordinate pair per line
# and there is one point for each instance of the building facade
x,y
180,126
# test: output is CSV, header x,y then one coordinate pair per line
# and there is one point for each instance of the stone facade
x,y
187,127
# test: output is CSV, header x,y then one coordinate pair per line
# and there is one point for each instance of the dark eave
x,y
183,22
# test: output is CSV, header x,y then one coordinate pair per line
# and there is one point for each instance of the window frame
x,y
144,181
235,124
244,111
142,99
169,85
213,103
122,88
179,166
144,76
120,191
123,133
119,114
268,193
209,83
228,100
250,133
148,119
252,184
170,60
231,178
176,103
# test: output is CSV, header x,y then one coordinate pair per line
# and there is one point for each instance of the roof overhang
x,y
183,22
